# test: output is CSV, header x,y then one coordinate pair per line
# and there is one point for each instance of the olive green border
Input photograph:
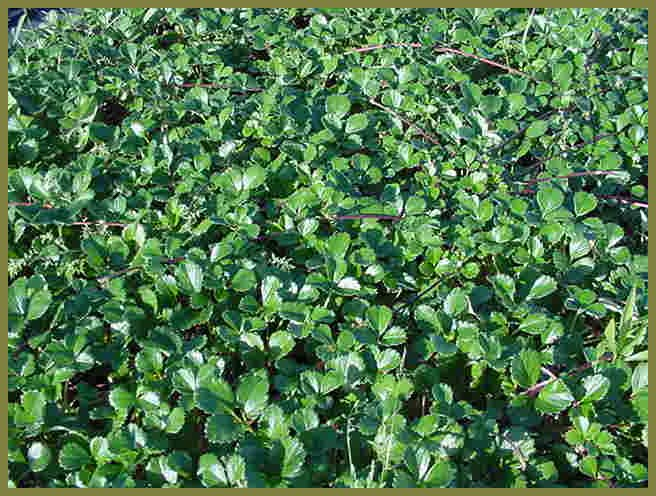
x,y
205,3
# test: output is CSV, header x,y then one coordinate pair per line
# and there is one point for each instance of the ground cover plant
x,y
329,248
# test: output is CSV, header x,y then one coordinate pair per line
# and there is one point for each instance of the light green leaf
x,y
39,303
253,177
543,286
456,302
338,104
525,368
549,199
38,457
356,123
121,399
588,466
584,203
212,472
554,398
138,129
595,387
243,280
337,245
253,394
195,275
281,343
294,458
640,377
379,318
504,287
73,457
537,129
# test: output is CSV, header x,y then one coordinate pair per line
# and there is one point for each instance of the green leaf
x,y
562,74
379,318
394,336
640,402
269,288
356,123
149,297
293,459
627,313
610,334
222,429
73,457
441,474
638,357
253,177
428,319
38,457
456,302
244,280
34,404
525,368
195,275
39,303
338,104
549,199
595,387
215,395
18,299
543,286
253,394
280,344
640,377
176,420
588,466
121,399
212,472
537,129
338,245
138,129
584,203
504,287
554,398
81,181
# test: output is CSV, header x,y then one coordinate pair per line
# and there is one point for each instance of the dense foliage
x,y
251,248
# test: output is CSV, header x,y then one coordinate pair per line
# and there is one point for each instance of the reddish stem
x,y
98,223
388,45
139,267
484,60
219,86
29,204
628,201
368,216
535,389
174,260
429,137
573,174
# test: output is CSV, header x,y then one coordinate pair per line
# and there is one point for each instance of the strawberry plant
x,y
329,248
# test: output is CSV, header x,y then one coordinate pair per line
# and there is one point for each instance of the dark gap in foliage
x,y
330,81
260,55
174,398
301,355
96,376
301,21
482,71
162,27
195,331
112,111
169,39
526,161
